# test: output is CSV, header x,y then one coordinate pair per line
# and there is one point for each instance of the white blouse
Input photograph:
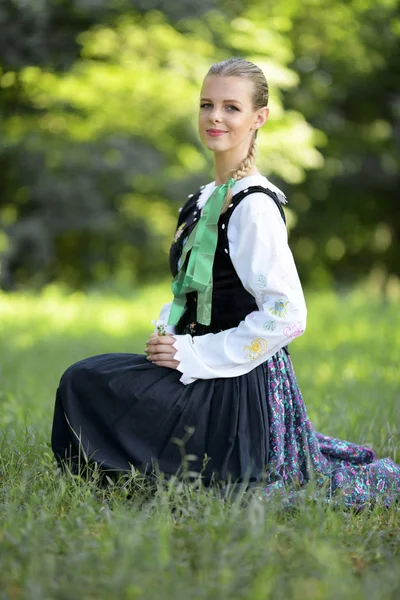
x,y
258,248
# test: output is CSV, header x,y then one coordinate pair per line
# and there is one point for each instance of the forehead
x,y
216,87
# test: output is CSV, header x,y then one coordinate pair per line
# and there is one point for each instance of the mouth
x,y
215,132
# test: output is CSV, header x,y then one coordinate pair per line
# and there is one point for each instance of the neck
x,y
226,163
224,171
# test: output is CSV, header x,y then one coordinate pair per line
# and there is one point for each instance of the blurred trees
x,y
98,105
347,56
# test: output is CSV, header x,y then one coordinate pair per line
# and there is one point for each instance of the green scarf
x,y
197,276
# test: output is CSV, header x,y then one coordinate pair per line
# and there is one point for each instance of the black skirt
x,y
120,410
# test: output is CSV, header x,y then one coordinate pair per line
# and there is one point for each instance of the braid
x,y
247,163
238,67
242,170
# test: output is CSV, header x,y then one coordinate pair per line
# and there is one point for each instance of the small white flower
x,y
160,326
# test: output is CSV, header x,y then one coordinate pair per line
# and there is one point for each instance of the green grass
x,y
65,538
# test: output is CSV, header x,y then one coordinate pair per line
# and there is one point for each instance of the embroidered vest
x,y
231,302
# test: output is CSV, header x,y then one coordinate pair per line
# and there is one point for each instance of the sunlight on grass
x,y
53,310
63,537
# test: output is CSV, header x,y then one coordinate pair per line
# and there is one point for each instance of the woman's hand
x,y
160,351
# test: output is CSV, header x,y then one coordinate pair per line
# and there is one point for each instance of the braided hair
x,y
238,67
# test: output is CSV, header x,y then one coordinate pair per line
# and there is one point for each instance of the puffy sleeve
x,y
260,254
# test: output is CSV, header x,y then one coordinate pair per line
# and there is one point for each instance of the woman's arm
x,y
264,263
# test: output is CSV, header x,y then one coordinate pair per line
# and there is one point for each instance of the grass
x,y
63,538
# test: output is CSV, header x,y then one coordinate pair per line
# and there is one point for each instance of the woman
x,y
219,386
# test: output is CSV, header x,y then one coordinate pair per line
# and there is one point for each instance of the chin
x,y
215,145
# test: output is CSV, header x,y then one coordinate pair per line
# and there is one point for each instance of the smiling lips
x,y
215,132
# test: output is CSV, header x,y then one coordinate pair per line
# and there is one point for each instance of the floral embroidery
x,y
293,330
257,347
279,308
270,325
261,282
179,232
192,328
251,315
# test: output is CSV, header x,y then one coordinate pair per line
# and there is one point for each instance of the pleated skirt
x,y
120,411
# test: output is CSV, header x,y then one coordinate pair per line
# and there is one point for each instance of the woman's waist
x,y
189,324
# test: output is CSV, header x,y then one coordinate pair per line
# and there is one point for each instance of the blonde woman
x,y
220,377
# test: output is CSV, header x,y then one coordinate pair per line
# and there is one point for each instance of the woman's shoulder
x,y
255,197
253,184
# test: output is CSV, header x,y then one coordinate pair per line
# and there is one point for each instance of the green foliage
x,y
63,537
45,32
114,142
99,144
347,56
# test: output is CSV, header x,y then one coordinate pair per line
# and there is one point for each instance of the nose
x,y
215,115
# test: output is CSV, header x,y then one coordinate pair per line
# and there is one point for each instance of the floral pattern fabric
x,y
299,454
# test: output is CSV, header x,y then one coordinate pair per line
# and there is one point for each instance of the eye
x,y
232,107
205,105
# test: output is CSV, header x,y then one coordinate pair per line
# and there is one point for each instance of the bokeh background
x,y
99,148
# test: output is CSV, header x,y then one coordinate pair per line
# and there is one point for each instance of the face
x,y
227,120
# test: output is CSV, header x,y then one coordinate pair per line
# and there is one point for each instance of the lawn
x,y
65,538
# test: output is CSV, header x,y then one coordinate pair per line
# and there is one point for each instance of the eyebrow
x,y
208,100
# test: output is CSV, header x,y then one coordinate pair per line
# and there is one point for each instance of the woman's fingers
x,y
168,338
160,344
165,339
164,351
156,339
170,364
160,351
161,356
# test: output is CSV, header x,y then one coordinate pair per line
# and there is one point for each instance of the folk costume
x,y
234,404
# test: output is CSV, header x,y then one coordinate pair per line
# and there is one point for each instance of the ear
x,y
261,117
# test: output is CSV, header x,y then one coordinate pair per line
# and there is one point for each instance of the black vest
x,y
231,302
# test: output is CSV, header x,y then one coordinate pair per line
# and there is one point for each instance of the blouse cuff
x,y
188,361
193,367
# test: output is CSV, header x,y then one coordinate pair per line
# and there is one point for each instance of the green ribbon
x,y
197,276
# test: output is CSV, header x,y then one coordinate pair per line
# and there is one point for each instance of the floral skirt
x,y
299,454
121,411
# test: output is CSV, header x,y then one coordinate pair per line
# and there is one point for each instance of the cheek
x,y
244,125
201,120
238,120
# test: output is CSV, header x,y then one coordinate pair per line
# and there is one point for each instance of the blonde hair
x,y
238,67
